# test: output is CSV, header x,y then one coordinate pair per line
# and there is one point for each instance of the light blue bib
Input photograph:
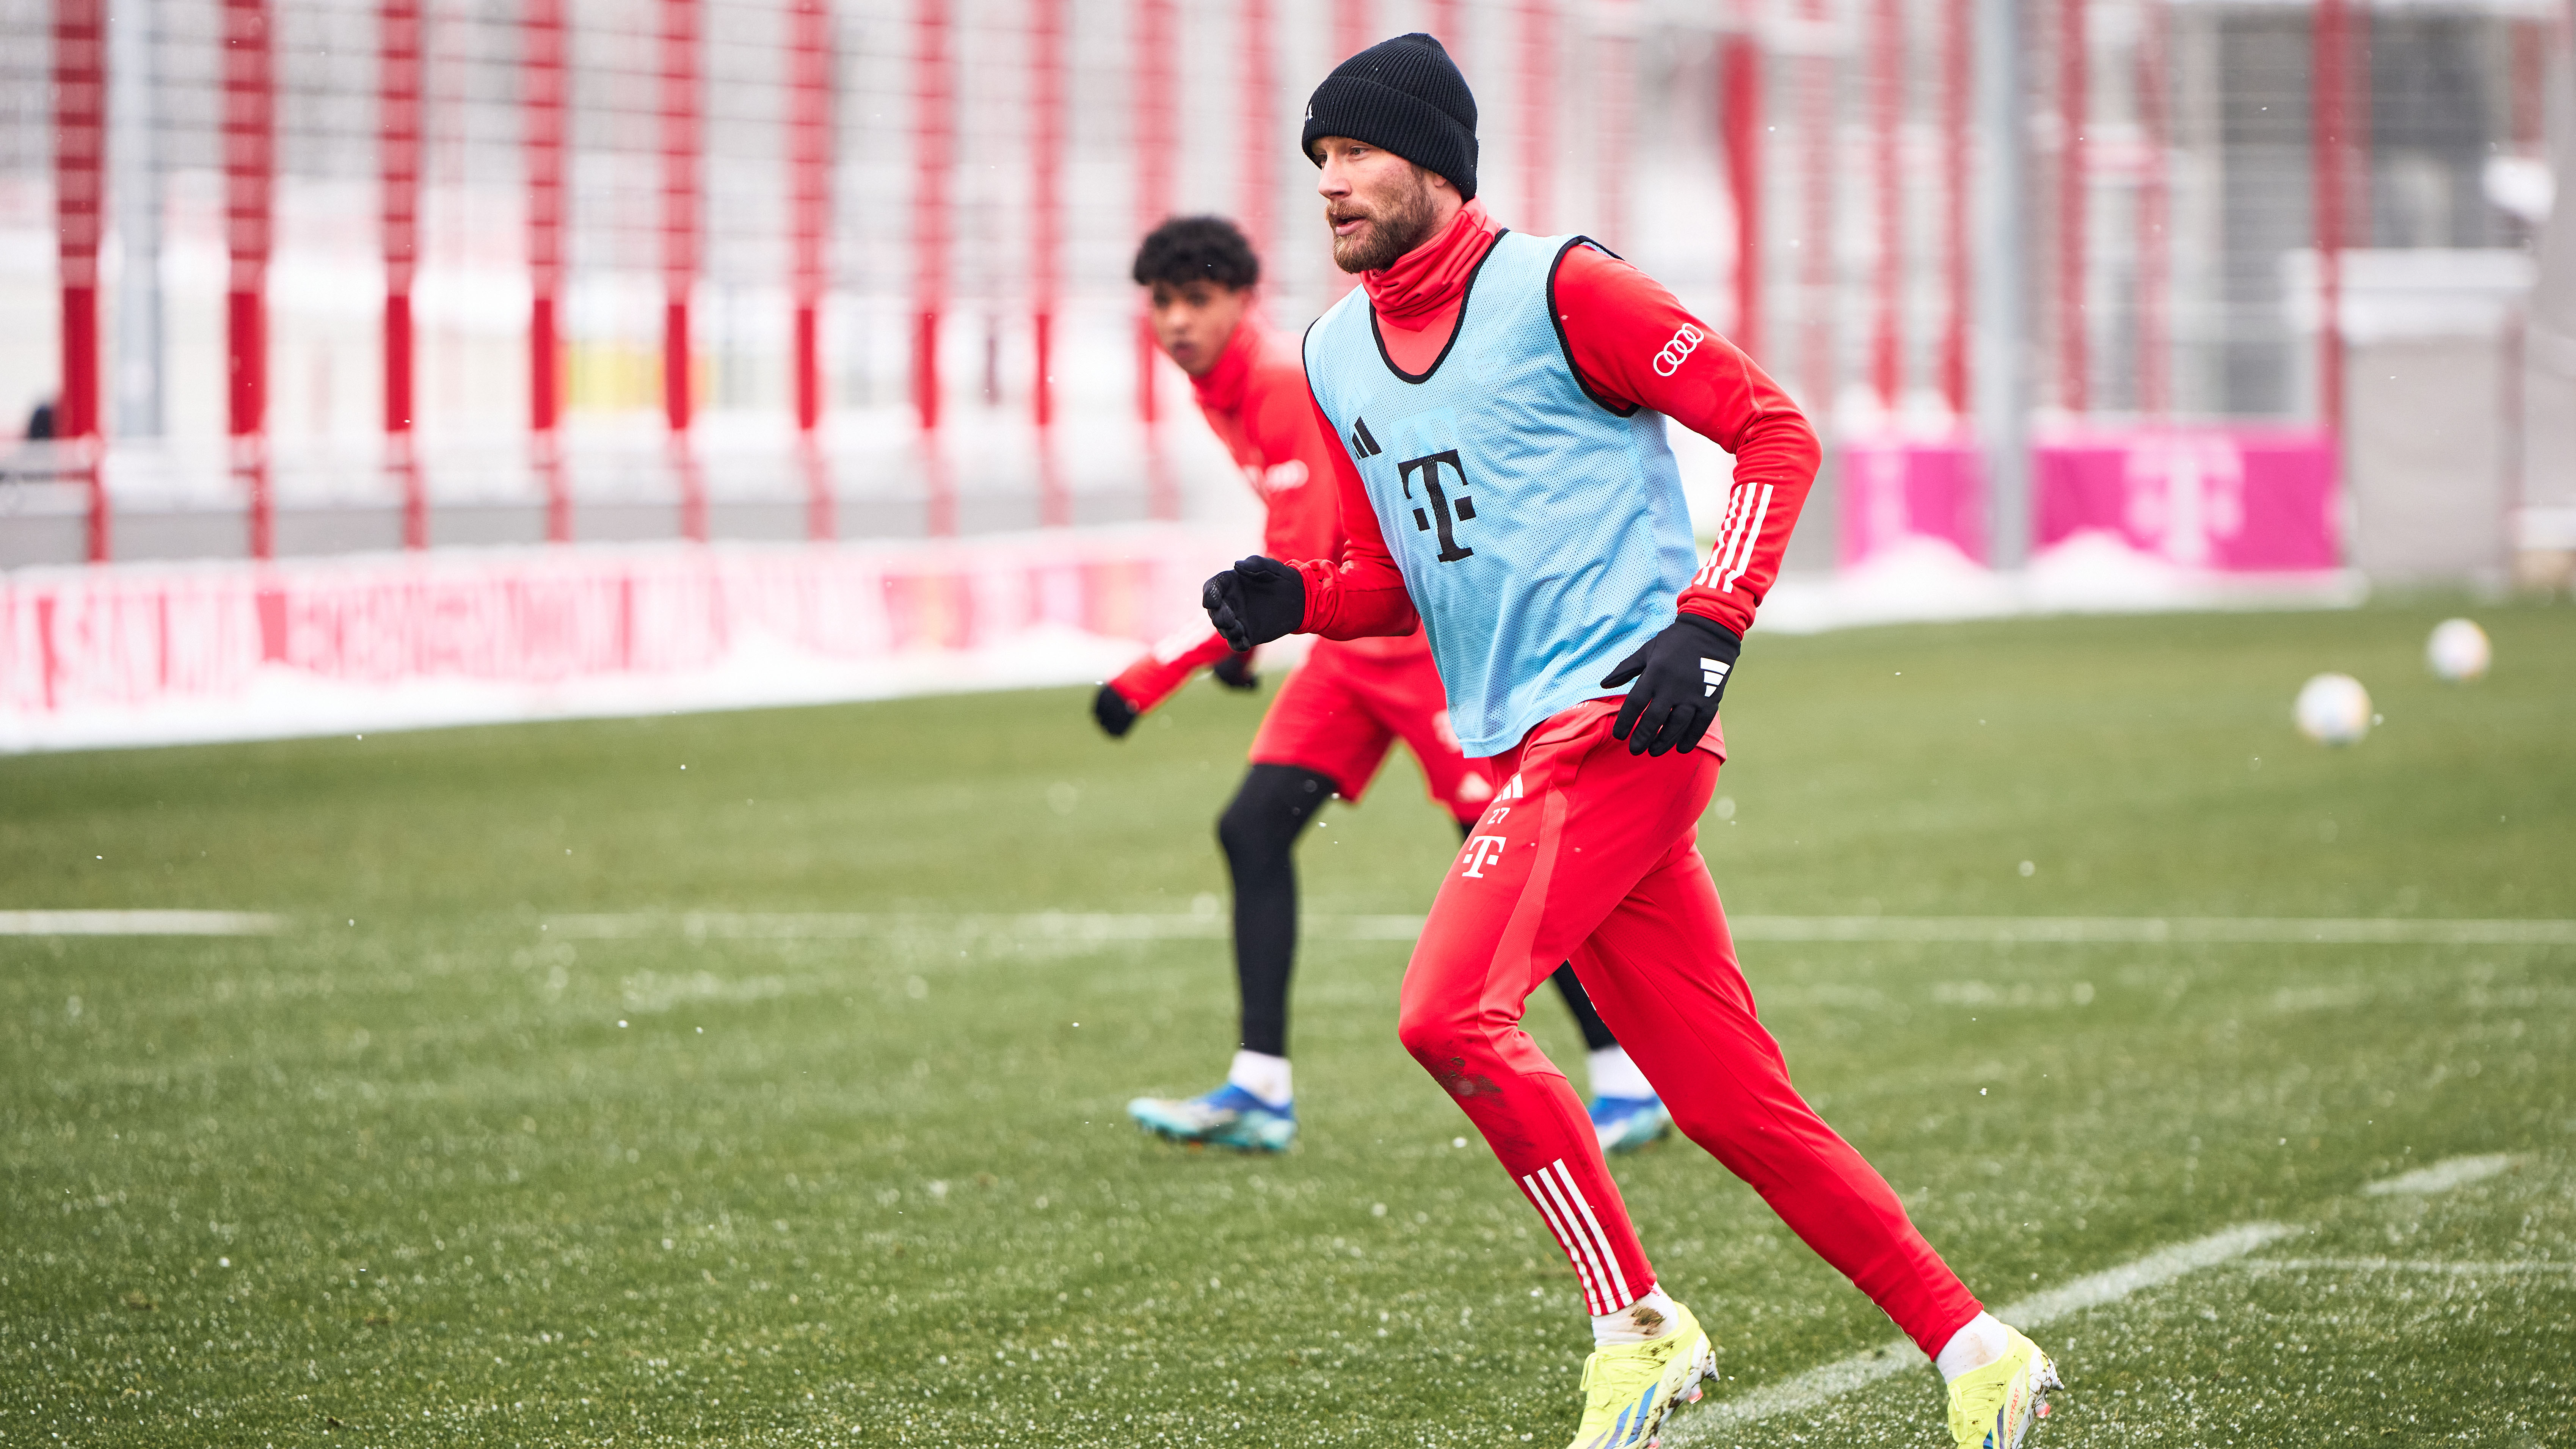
x,y
1542,535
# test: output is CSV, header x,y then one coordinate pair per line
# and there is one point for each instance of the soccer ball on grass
x,y
2334,709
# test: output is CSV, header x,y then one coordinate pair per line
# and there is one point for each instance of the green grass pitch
x,y
425,1169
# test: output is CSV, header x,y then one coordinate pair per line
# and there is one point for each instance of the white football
x,y
2334,709
2458,651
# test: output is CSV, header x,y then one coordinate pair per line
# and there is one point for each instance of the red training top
x,y
1256,400
1618,324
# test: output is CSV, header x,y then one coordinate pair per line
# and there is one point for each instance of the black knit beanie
x,y
1406,95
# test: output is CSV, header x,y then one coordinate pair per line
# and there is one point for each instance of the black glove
x,y
1256,601
1234,671
1113,711
1681,674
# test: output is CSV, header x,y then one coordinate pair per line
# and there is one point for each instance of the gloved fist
x,y
1113,711
1256,601
1234,671
1681,674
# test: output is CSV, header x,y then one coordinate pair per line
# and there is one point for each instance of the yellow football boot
x,y
1628,1388
1992,1407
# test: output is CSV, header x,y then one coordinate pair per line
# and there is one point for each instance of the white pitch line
x,y
1078,926
1818,1385
2150,930
2442,1176
2501,1268
138,923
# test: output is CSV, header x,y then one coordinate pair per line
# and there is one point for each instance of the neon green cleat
x,y
1628,1388
1992,1407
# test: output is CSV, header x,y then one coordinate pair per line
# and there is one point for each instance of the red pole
x,y
1155,123
2074,78
1538,102
1817,365
1739,123
680,205
80,176
1351,29
2155,259
249,139
1617,95
542,67
1958,86
1258,170
1046,240
398,160
933,128
1157,136
1887,117
809,219
2333,46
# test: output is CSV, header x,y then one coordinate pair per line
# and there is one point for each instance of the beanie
x,y
1407,96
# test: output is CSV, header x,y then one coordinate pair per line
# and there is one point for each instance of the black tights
x,y
1259,831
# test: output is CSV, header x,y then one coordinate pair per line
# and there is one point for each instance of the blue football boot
x,y
1625,1124
1226,1117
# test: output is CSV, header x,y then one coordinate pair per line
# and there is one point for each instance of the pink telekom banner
x,y
138,637
2228,500
1897,490
2235,500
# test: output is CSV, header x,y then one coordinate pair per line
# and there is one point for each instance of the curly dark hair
x,y
1197,249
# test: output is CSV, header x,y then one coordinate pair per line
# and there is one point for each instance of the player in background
x,y
1333,721
1506,486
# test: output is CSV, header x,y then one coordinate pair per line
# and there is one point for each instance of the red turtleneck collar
x,y
1221,389
1425,285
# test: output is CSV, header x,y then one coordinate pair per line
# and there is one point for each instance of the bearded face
x,y
1382,220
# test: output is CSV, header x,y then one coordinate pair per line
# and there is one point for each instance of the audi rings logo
x,y
1677,351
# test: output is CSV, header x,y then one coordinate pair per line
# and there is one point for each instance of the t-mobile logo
x,y
1448,511
1482,851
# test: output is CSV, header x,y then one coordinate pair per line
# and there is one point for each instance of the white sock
x,y
1262,1075
1649,1317
1614,1075
1980,1343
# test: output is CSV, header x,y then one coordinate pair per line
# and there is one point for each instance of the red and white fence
x,y
134,654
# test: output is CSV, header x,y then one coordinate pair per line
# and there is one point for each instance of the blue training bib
x,y
1541,533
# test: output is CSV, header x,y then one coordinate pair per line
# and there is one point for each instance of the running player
x,y
1506,486
1333,721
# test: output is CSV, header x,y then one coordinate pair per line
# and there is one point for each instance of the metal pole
x,y
2002,274
2328,46
2074,184
136,179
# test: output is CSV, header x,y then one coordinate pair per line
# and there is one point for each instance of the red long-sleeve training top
x,y
1255,400
1632,342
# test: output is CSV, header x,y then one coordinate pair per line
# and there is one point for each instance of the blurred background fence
x,y
315,276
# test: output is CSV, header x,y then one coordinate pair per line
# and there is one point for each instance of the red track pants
x,y
1590,854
